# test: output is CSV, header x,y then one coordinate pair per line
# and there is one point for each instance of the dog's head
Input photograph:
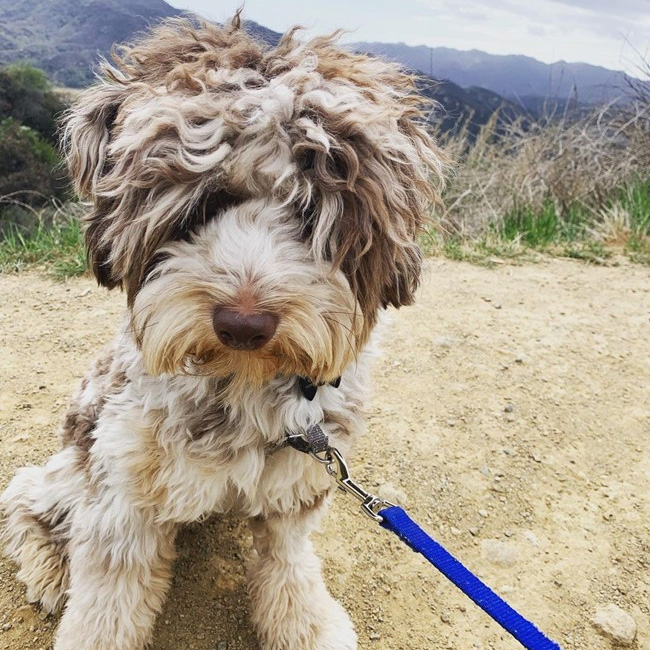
x,y
259,206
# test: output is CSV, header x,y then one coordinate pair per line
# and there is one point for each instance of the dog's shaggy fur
x,y
222,175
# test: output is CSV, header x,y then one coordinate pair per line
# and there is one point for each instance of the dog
x,y
260,209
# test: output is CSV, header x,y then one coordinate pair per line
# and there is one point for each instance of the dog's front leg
x,y
120,569
292,609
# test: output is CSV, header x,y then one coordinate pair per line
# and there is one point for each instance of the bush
x,y
26,96
30,170
31,174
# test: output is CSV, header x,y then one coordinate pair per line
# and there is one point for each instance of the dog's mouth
x,y
258,366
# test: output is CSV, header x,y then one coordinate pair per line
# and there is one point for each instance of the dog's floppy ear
x,y
86,136
373,170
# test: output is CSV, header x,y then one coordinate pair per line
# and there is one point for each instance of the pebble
x,y
6,627
374,636
389,492
614,623
498,552
530,536
222,646
444,342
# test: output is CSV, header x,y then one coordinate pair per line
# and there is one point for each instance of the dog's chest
x,y
207,455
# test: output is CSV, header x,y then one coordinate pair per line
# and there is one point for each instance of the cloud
x,y
601,32
621,8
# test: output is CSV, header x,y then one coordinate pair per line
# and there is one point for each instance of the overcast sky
x,y
601,32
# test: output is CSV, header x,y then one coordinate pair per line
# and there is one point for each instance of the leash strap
x,y
314,442
396,520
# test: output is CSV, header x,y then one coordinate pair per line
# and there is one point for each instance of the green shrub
x,y
30,172
26,96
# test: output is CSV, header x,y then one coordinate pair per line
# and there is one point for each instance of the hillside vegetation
x,y
575,184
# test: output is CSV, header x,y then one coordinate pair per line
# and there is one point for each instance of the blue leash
x,y
397,521
314,442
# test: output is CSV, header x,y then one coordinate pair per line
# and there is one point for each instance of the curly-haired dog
x,y
259,208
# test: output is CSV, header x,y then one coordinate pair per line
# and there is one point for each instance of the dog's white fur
x,y
326,179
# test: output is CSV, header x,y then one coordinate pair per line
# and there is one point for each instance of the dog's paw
x,y
337,631
337,634
321,624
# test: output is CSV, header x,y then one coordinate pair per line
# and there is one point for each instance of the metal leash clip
x,y
337,467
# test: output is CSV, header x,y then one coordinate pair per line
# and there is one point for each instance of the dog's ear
x,y
86,137
373,171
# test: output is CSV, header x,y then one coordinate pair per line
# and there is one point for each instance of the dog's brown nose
x,y
244,331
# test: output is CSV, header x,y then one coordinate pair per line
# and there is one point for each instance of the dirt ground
x,y
511,409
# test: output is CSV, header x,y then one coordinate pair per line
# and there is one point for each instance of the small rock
x,y
611,621
389,492
532,538
455,531
27,614
374,636
483,513
509,408
498,552
444,342
445,618
6,627
222,646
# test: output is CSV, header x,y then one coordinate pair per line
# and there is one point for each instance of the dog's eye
x,y
205,210
155,261
306,159
308,217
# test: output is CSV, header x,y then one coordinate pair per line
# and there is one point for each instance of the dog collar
x,y
309,389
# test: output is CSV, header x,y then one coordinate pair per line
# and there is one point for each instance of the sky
x,y
611,33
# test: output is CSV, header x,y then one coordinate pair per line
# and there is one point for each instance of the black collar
x,y
309,390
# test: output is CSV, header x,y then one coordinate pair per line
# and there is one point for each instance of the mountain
x,y
518,78
65,37
466,109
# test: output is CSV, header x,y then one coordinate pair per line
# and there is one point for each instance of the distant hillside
x,y
65,37
518,78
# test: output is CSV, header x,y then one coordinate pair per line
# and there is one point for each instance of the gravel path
x,y
511,412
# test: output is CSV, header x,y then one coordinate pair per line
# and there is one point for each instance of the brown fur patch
x,y
102,380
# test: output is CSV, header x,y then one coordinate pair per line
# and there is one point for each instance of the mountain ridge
x,y
511,75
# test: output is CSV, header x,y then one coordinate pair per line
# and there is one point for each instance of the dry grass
x,y
567,185
565,179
